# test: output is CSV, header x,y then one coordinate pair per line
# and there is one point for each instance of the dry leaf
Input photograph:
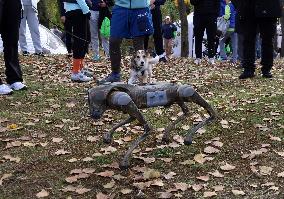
x,y
170,175
199,158
109,185
151,174
5,176
238,192
203,178
197,187
105,174
188,162
57,140
71,179
158,183
280,175
126,191
217,144
102,196
210,150
264,170
165,195
93,138
62,152
82,190
218,188
217,174
181,186
208,194
72,160
108,150
87,159
278,139
42,194
280,153
227,167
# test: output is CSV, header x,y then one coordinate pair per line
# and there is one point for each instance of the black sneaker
x,y
267,75
26,53
246,74
163,59
41,54
109,79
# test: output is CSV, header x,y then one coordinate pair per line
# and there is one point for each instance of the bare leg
x,y
108,136
174,123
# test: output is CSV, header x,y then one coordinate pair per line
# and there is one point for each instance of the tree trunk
x,y
184,28
282,29
43,13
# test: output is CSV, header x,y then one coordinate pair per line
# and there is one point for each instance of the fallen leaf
x,y
88,170
61,152
165,195
105,174
182,186
264,170
199,158
210,150
217,144
109,185
93,138
227,167
238,192
158,183
208,194
102,196
188,162
108,150
126,191
197,187
170,175
72,160
5,176
280,175
203,178
57,140
278,139
12,159
74,128
42,194
87,159
82,190
218,188
151,174
217,174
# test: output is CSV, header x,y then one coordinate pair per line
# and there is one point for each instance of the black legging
x,y
81,33
115,52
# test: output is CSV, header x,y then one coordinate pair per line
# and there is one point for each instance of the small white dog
x,y
141,67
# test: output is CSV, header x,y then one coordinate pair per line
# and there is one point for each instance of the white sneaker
x,y
212,61
87,72
5,90
80,77
17,86
197,61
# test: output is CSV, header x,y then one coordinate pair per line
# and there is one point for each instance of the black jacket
x,y
206,7
1,12
257,8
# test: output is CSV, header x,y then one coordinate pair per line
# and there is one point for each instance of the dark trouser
x,y
267,30
68,35
240,47
10,25
158,38
115,52
81,33
202,22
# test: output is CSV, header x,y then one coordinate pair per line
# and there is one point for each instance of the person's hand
x,y
152,2
63,19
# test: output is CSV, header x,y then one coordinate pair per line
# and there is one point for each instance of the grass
x,y
53,106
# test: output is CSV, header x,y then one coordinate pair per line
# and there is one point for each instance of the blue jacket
x,y
232,13
79,5
168,30
133,4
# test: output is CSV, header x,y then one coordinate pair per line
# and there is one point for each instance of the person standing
x,y
260,14
168,30
10,18
130,19
30,18
157,25
229,13
94,27
205,18
78,14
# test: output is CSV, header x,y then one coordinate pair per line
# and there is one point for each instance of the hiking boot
x,y
246,74
5,90
26,53
267,74
18,86
163,59
40,54
112,77
80,77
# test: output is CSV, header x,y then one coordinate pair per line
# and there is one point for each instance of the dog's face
x,y
139,60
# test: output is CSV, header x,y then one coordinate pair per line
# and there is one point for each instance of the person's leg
x,y
10,36
115,54
211,28
267,27
22,33
68,35
95,33
158,39
105,44
81,39
33,24
146,42
198,34
240,47
234,40
223,54
249,34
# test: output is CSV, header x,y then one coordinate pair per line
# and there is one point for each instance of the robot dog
x,y
130,98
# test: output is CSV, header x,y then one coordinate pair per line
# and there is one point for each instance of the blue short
x,y
129,23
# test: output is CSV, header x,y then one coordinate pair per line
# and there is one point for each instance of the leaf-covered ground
x,y
51,148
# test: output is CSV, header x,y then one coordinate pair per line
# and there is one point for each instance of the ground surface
x,y
49,146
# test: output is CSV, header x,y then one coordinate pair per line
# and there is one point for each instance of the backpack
x,y
105,28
